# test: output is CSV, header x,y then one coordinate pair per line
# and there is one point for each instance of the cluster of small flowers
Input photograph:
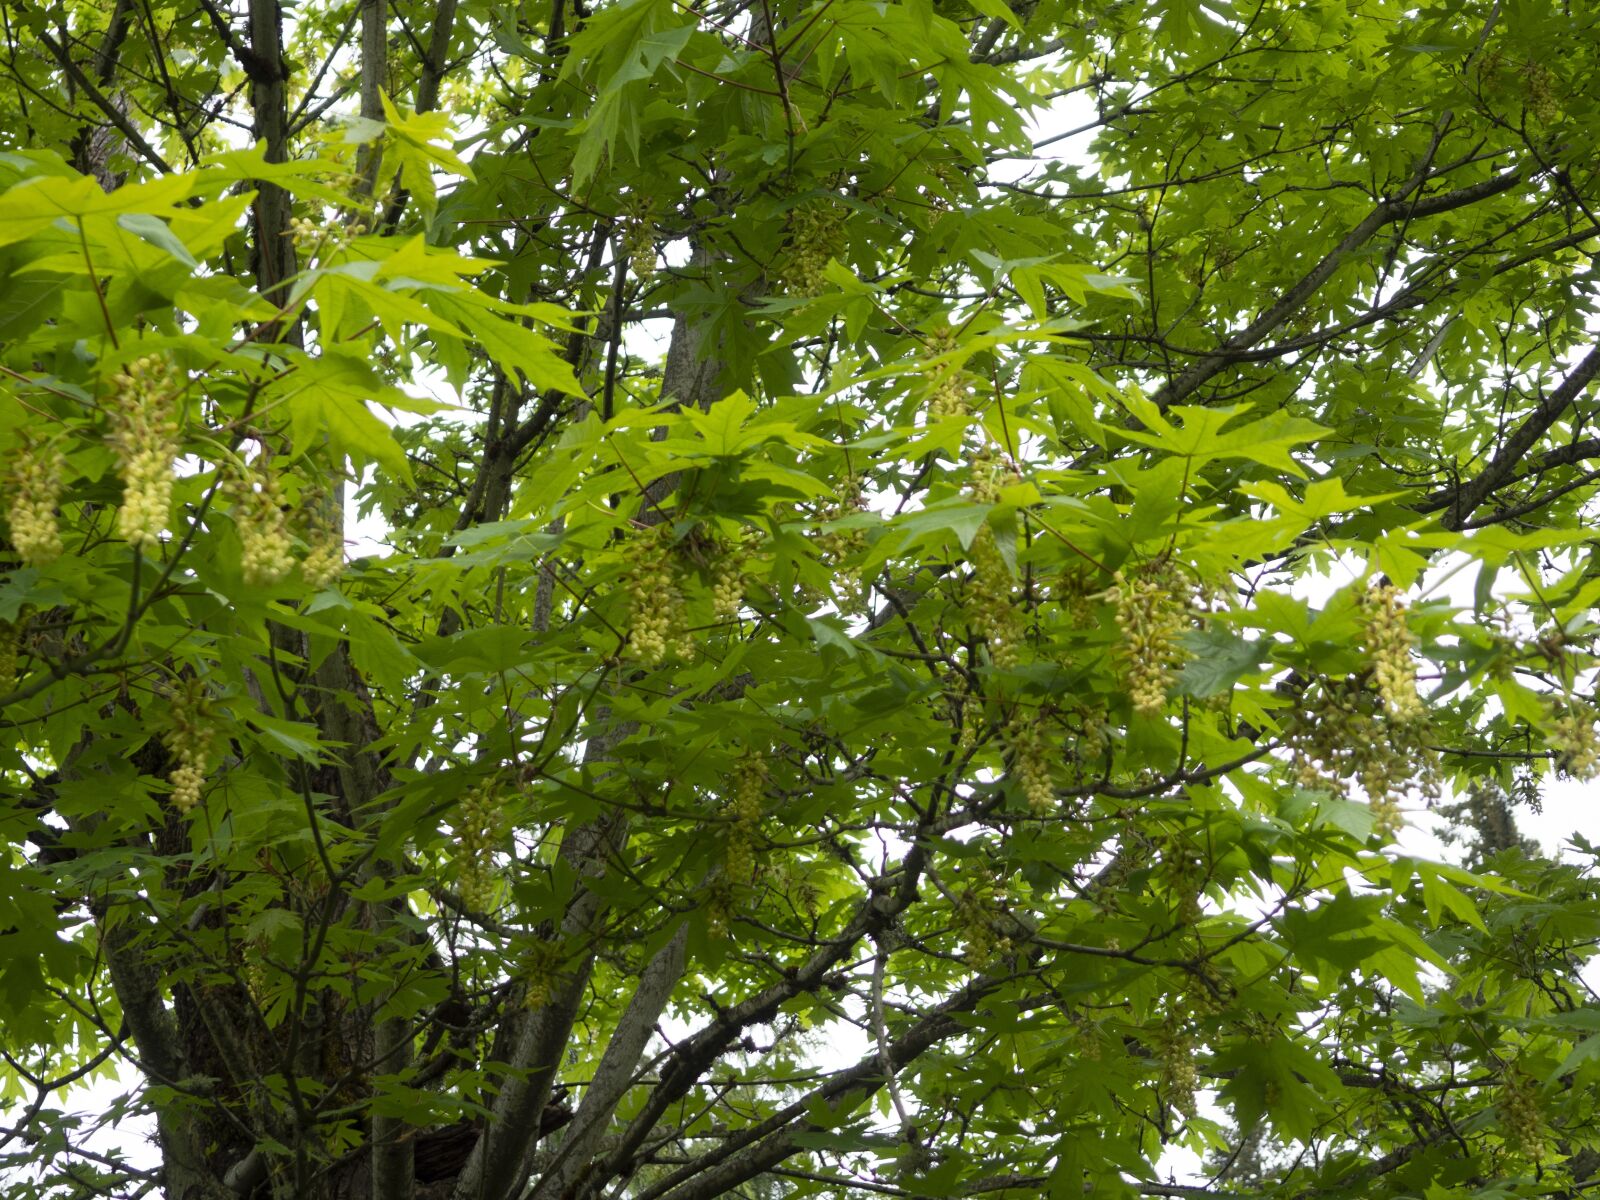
x,y
638,237
1075,595
814,234
990,606
1153,611
540,964
478,832
331,235
721,902
1205,992
950,396
838,545
144,439
745,800
1521,1120
1094,735
324,561
1539,93
975,910
1389,646
1346,735
188,737
655,602
253,974
951,392
728,578
1572,735
10,647
35,493
1087,1037
938,203
267,556
1179,1076
1030,765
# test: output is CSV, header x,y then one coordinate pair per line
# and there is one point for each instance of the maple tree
x,y
917,558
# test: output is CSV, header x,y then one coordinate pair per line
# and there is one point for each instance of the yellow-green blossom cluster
x,y
144,438
35,494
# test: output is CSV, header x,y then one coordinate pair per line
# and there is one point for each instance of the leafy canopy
x,y
915,560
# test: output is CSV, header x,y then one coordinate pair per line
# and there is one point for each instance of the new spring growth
x,y
1347,735
1389,646
639,236
978,911
1153,612
836,546
35,494
144,439
324,561
656,624
728,577
189,736
478,831
746,799
989,605
323,238
814,234
540,971
1521,1117
1179,1075
950,393
1572,737
1030,764
266,554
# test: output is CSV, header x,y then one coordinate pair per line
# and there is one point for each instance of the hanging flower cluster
x,y
144,438
478,831
1345,735
1030,764
324,560
1154,609
35,495
1572,735
267,554
1389,645
189,735
745,801
657,624
638,237
990,607
814,234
